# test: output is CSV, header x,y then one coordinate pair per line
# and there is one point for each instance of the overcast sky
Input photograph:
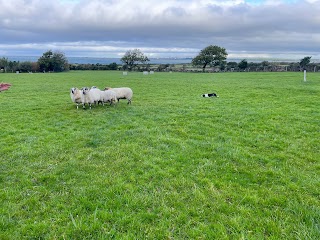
x,y
161,28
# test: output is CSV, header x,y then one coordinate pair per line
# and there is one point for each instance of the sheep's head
x,y
85,90
73,90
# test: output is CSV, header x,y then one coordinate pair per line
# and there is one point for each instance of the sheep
x,y
90,96
95,94
75,95
86,97
108,96
122,93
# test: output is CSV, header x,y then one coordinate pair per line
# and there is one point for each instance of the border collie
x,y
210,95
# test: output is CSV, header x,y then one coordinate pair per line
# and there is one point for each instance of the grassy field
x,y
172,165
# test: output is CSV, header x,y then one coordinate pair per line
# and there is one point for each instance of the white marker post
x,y
305,75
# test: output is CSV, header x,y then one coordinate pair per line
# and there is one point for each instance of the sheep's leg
x,y
77,105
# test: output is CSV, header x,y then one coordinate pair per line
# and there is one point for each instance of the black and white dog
x,y
210,95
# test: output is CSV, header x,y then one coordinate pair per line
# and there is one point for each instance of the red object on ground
x,y
4,86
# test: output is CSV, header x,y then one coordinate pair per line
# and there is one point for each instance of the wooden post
x,y
305,75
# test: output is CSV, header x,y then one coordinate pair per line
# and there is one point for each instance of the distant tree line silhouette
x,y
210,59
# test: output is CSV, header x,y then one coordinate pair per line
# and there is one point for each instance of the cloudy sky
x,y
161,28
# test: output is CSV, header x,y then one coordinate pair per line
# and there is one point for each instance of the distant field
x,y
172,165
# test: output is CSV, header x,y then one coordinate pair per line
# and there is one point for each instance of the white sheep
x,y
122,93
108,96
86,97
95,94
75,95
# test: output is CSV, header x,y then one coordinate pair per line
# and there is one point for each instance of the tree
x,y
45,62
25,66
232,66
253,65
4,63
53,61
243,64
35,67
304,62
211,55
163,67
60,62
132,58
13,66
113,66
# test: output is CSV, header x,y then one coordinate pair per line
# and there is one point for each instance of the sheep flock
x,y
94,96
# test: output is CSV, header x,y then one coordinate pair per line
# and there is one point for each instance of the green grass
x,y
172,165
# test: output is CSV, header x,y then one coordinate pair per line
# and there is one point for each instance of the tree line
x,y
212,58
49,62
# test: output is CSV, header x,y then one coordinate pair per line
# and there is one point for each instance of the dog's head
x,y
213,95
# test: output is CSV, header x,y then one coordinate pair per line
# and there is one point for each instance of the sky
x,y
267,29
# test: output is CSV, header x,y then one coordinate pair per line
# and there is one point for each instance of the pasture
x,y
172,165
